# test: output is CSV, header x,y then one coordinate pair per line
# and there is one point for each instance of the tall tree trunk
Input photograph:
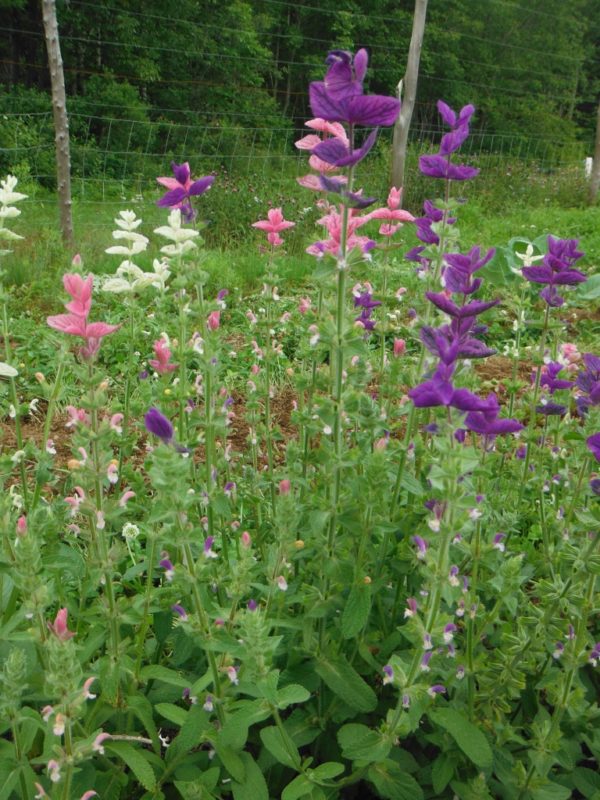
x,y
61,121
595,176
409,83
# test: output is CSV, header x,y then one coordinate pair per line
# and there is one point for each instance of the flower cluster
x,y
556,269
440,165
76,322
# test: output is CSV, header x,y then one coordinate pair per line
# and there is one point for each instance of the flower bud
x,y
285,486
22,526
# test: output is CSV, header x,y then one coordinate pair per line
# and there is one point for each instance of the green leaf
x,y
254,786
299,787
330,769
356,611
142,708
590,290
587,781
191,734
291,695
136,762
392,783
345,682
468,737
552,791
411,484
232,762
362,744
158,673
285,751
442,772
173,713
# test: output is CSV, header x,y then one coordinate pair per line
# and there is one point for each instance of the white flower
x,y
182,237
7,191
6,371
527,258
130,531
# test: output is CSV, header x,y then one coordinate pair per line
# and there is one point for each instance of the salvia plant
x,y
298,546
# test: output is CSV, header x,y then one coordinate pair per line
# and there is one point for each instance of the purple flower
x,y
252,605
425,661
594,656
208,551
180,611
159,425
498,543
339,97
486,422
449,631
438,166
422,547
588,381
594,486
556,269
354,199
549,377
388,674
437,688
168,567
559,649
593,443
412,607
182,188
551,409
460,268
469,310
439,391
338,154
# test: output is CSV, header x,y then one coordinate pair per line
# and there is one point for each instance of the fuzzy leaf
x,y
356,611
466,735
158,673
392,783
191,733
299,787
362,744
254,786
345,682
285,752
136,762
291,695
441,773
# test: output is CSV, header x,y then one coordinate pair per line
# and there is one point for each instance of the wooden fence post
x,y
61,121
409,84
595,176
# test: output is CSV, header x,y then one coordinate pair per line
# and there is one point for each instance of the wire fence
x,y
115,158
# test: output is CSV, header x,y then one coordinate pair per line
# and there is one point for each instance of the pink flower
x,y
87,695
246,540
399,347
115,423
163,358
332,221
214,320
285,486
97,745
88,795
273,226
76,500
81,292
125,498
53,770
304,305
76,416
76,323
41,792
59,626
391,214
22,526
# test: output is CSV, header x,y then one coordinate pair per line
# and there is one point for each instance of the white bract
x,y
8,196
6,371
181,237
129,277
527,258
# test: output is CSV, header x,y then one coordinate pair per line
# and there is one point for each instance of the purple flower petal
x,y
159,425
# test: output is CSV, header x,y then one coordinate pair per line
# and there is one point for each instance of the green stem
x,y
14,397
48,424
